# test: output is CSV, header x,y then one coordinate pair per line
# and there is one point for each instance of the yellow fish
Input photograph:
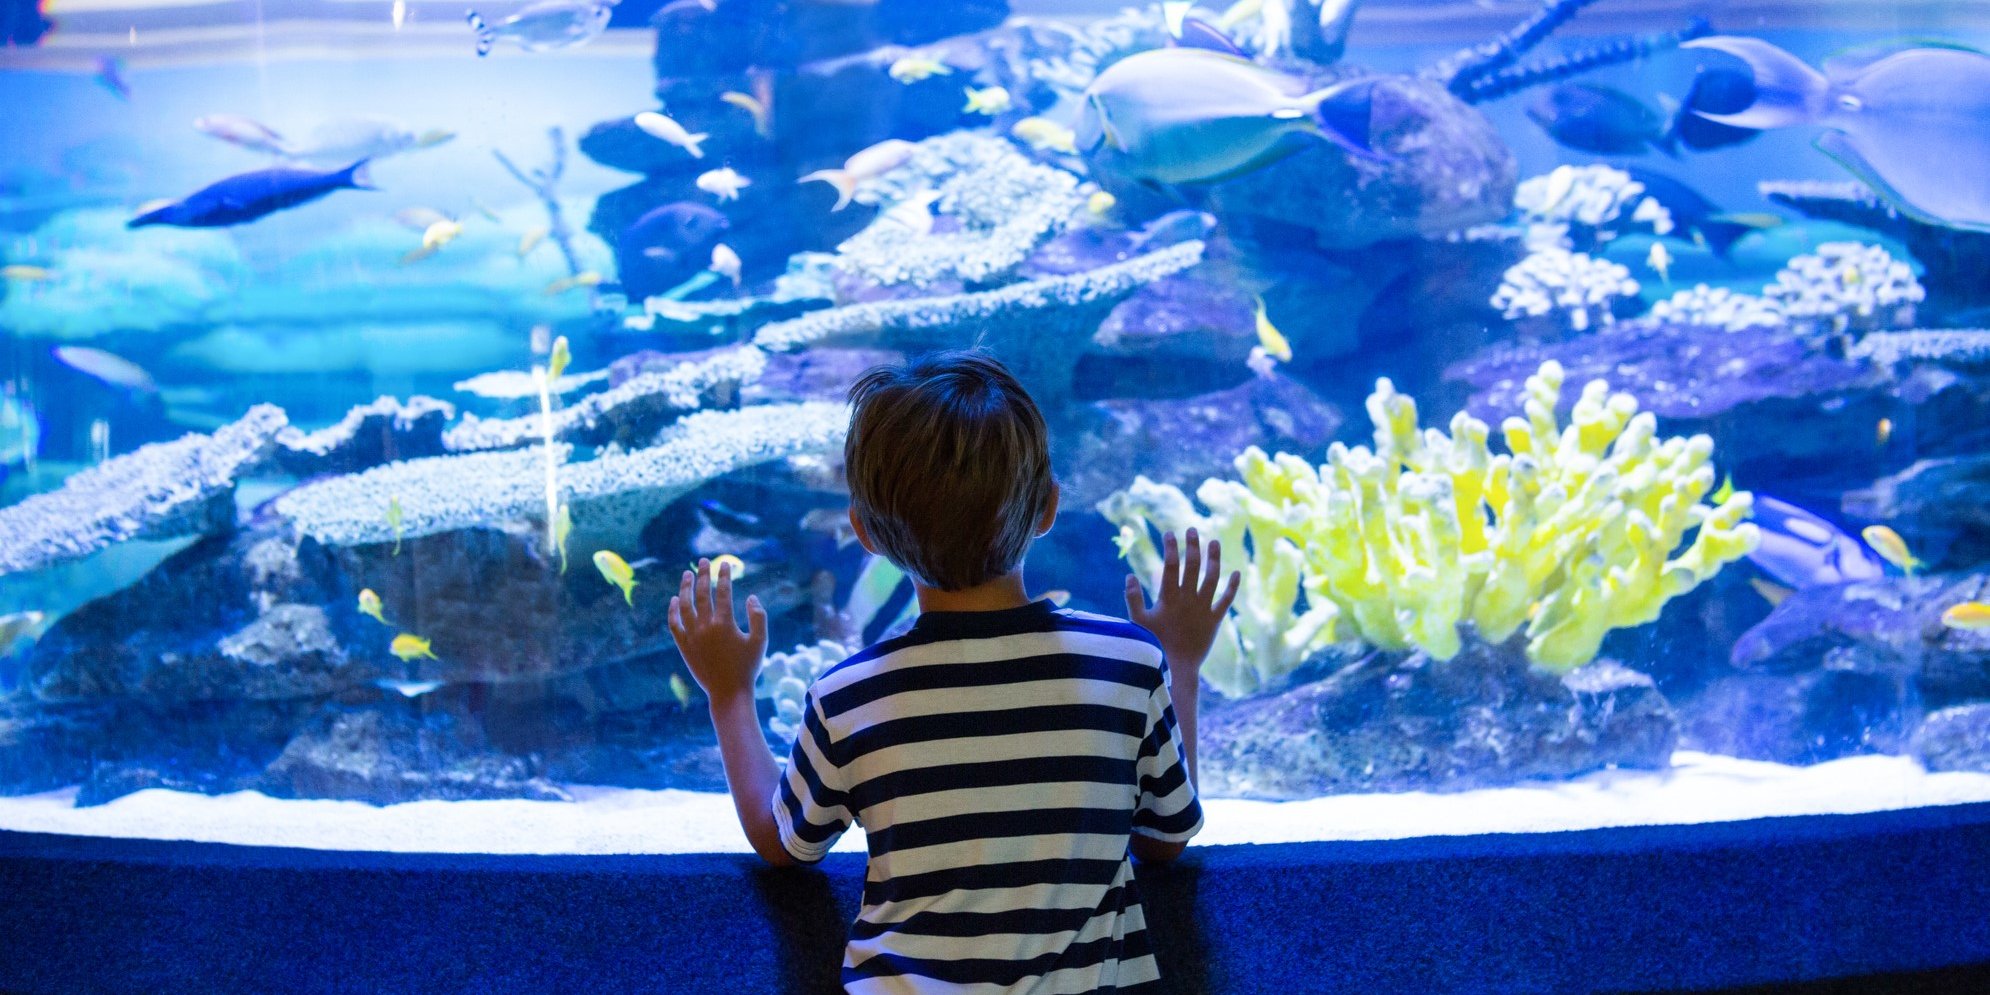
x,y
1891,548
1100,202
19,273
369,605
394,520
441,233
681,689
531,239
1883,433
410,647
1853,277
1660,261
587,278
560,356
1774,594
1271,338
1970,616
1043,134
723,559
563,526
1726,489
616,570
989,100
762,117
913,68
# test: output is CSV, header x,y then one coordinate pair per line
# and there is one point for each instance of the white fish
x,y
868,164
988,100
346,140
915,213
116,371
725,184
1660,261
666,129
407,689
725,262
241,131
545,25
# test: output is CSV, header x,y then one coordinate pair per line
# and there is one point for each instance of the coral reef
x,y
1955,258
371,434
784,680
1960,347
1717,307
1846,287
631,412
1591,196
1570,534
1582,290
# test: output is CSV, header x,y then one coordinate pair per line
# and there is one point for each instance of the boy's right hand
x,y
1187,606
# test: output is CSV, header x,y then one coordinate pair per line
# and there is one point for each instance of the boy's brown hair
x,y
949,467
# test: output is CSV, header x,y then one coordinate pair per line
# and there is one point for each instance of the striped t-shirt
x,y
998,762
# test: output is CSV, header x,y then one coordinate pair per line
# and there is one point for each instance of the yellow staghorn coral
x,y
1570,533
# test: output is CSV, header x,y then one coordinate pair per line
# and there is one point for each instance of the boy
x,y
1003,756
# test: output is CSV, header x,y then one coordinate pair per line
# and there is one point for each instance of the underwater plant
x,y
1584,289
1570,533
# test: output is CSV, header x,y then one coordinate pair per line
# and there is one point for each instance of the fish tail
x,y
1342,113
629,593
157,216
1787,90
357,177
845,184
691,143
486,36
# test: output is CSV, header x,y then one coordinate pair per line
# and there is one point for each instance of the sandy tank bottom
x,y
1699,788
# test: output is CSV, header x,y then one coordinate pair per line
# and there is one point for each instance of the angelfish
x,y
1902,120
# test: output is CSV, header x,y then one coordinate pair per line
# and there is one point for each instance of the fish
x,y
867,164
419,218
1044,135
1188,31
242,132
1717,91
1774,594
531,239
441,233
410,647
1186,115
667,246
617,571
545,25
1801,550
1100,202
1725,492
725,262
563,527
665,128
407,689
916,68
1273,341
16,627
763,117
369,605
1660,261
681,690
346,139
1883,433
24,273
1890,547
247,197
395,520
1970,616
727,560
1899,119
110,76
915,213
1601,120
987,100
106,368
584,278
725,183
558,357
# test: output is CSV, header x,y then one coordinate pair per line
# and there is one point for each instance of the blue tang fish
x,y
1600,120
1802,550
1913,123
248,196
1714,91
1189,115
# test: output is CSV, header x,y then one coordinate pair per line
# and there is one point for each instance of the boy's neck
x,y
1002,593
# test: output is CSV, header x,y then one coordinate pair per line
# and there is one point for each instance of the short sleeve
x,y
1168,810
811,805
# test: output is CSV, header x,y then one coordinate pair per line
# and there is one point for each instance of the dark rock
x,y
1805,718
1408,723
1889,626
400,752
1946,499
114,747
820,374
371,434
1955,739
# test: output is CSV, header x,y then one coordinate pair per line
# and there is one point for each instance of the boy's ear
x,y
1049,511
863,535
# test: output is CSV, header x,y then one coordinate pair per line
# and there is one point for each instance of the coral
x,y
1585,289
1717,307
630,412
784,680
162,491
1846,287
368,435
1590,196
1004,204
1569,534
1615,51
545,183
1953,259
1461,69
1955,347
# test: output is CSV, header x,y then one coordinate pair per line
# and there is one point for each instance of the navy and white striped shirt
x,y
998,762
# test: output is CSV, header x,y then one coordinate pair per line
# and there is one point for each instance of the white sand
x,y
1699,788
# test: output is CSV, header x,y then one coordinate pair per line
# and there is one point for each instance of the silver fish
x,y
546,25
1188,115
107,368
1901,120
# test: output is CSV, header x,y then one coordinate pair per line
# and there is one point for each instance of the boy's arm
x,y
724,661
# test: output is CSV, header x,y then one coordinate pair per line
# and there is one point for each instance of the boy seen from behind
x,y
1004,757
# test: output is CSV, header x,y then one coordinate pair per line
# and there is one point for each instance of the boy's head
x,y
949,468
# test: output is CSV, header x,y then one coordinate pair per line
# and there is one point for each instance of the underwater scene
x,y
1595,393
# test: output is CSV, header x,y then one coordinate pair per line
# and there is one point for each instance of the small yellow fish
x,y
727,559
1883,432
1271,338
531,239
410,647
587,278
369,605
1970,616
1043,134
1100,202
762,117
19,273
1890,547
913,68
1660,261
616,570
563,526
1774,594
441,233
681,690
1726,490
989,100
558,358
394,520
725,262
1853,277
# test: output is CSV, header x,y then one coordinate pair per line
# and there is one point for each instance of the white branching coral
x,y
635,408
1717,307
1847,287
1955,347
784,680
1584,289
1592,196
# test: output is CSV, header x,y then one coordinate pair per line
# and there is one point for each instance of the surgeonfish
x,y
558,358
617,571
1589,117
410,647
725,262
763,117
106,368
246,197
395,520
1273,341
1900,119
916,68
1186,115
548,24
369,605
1890,547
724,183
1660,261
23,273
665,128
1802,550
110,75
242,132
868,164
1970,616
1044,135
987,100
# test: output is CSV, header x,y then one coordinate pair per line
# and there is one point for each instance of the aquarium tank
x,y
1594,394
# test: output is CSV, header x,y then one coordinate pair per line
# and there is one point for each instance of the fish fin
x,y
1839,147
1787,90
845,184
486,35
357,177
1193,32
1342,113
1852,61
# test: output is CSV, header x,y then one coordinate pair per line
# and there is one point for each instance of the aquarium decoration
x,y
1584,291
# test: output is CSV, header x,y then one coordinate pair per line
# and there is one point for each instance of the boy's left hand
x,y
722,658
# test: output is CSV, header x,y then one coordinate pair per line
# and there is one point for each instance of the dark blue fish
x,y
1714,91
250,196
1802,550
666,247
1692,212
1600,120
